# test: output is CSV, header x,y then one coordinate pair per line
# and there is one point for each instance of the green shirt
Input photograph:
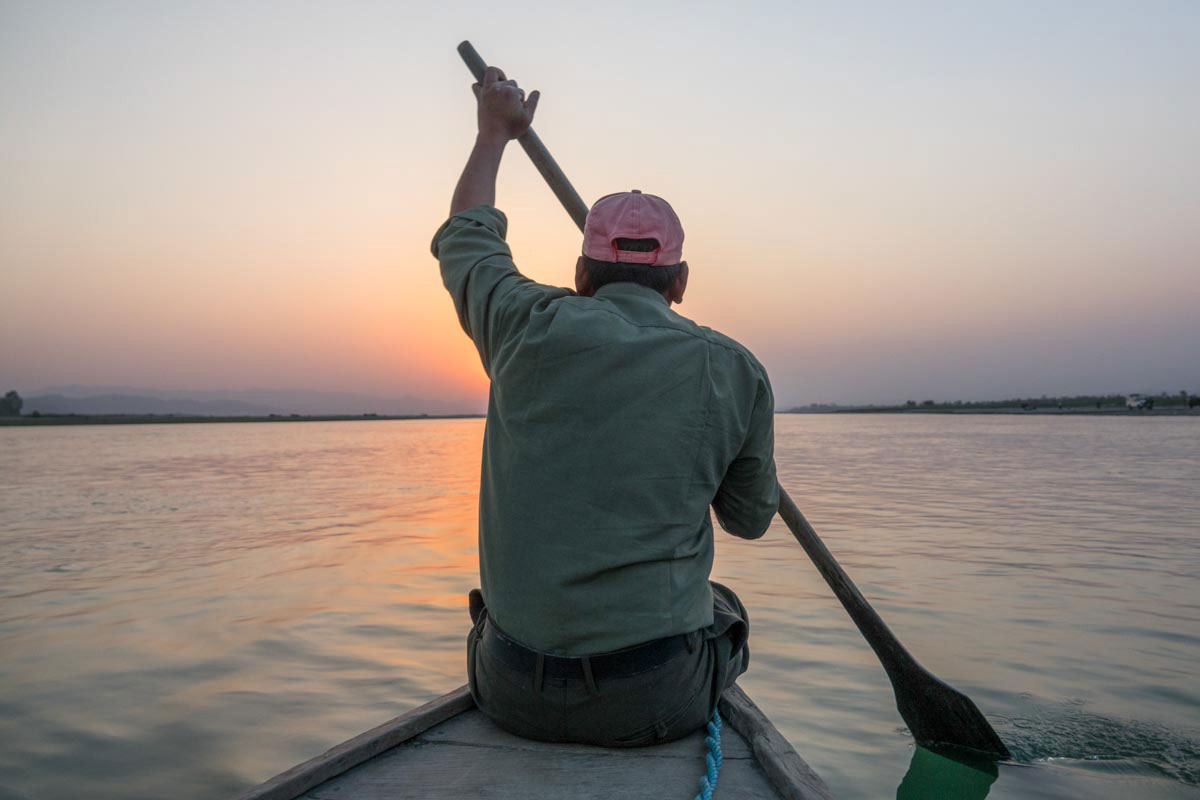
x,y
613,424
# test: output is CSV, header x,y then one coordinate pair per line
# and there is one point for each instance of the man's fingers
x,y
531,102
476,88
491,76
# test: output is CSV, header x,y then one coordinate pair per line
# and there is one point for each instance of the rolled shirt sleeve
x,y
491,296
748,497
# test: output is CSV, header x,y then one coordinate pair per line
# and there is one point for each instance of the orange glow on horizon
x,y
899,231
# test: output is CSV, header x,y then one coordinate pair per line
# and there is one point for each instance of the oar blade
x,y
941,717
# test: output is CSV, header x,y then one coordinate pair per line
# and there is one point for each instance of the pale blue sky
x,y
883,200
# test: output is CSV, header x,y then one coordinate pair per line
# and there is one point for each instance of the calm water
x,y
186,610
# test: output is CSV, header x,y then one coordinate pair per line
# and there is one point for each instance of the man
x,y
613,425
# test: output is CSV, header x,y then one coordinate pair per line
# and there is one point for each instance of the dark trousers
x,y
663,702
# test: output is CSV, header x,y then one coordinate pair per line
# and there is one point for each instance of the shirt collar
x,y
629,289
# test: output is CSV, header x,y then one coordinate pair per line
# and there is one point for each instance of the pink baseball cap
x,y
633,215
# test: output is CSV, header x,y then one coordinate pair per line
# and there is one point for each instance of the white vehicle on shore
x,y
1135,402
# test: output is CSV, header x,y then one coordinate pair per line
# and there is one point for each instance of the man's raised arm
x,y
491,297
504,113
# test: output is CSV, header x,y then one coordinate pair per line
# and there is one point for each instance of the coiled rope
x,y
712,759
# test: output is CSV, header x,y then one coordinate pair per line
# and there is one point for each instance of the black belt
x,y
617,664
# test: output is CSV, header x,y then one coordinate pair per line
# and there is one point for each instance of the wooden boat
x,y
448,749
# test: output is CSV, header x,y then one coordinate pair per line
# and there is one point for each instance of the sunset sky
x,y
884,201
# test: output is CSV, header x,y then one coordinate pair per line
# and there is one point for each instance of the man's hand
x,y
504,111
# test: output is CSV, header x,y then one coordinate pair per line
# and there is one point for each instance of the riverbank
x,y
160,419
1169,411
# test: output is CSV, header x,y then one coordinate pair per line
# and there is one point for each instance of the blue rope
x,y
712,759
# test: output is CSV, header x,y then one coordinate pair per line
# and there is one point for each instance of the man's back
x,y
613,424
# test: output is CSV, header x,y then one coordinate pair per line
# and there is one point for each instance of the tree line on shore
x,y
10,404
1183,399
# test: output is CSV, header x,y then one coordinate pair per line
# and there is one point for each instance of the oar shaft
x,y
874,629
536,151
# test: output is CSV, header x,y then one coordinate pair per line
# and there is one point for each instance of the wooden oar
x,y
936,713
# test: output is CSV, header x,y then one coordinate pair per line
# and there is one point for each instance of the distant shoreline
x,y
1169,411
171,419
164,419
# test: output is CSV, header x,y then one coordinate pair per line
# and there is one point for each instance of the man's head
x,y
632,237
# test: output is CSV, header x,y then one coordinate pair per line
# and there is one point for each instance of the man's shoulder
x,y
664,319
736,349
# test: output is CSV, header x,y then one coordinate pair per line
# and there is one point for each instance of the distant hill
x,y
228,402
138,404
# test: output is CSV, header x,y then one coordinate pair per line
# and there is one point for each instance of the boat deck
x,y
449,749
468,756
